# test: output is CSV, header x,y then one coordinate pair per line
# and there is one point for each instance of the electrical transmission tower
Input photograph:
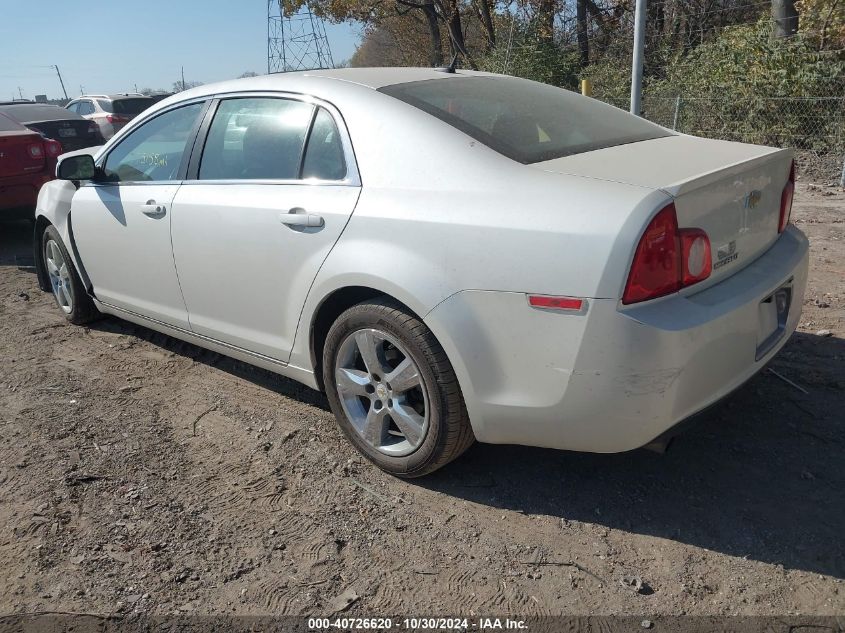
x,y
295,42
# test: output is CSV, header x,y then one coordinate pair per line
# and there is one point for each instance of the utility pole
x,y
183,77
20,92
60,80
784,18
639,53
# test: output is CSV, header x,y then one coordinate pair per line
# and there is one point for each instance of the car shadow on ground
x,y
16,250
256,375
760,476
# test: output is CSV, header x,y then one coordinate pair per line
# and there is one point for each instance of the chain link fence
x,y
813,126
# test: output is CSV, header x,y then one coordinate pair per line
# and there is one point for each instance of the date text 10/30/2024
x,y
417,624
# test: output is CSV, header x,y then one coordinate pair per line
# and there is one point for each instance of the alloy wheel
x,y
382,392
57,270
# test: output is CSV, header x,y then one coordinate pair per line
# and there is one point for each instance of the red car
x,y
27,161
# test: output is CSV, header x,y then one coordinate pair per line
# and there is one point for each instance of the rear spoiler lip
x,y
697,182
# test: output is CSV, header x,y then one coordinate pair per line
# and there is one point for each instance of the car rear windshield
x,y
9,125
125,106
527,121
35,112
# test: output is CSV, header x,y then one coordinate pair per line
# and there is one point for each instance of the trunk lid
x,y
732,191
71,133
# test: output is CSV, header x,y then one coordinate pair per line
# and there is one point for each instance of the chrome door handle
x,y
298,217
152,209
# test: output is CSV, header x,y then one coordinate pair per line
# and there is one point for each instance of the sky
x,y
107,47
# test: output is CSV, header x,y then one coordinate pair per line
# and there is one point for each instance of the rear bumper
x,y
107,129
613,378
21,192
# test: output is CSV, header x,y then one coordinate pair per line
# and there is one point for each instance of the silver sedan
x,y
449,256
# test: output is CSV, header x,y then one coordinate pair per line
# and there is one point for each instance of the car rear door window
x,y
260,138
153,151
324,154
85,107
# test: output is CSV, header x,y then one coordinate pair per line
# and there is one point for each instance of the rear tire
x,y
412,426
67,288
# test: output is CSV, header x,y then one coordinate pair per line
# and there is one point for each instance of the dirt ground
x,y
139,473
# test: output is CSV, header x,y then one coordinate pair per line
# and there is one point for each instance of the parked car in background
x,y
497,259
53,122
161,96
110,112
27,161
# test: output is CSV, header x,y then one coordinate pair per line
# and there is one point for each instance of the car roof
x,y
34,112
372,78
130,95
380,77
115,97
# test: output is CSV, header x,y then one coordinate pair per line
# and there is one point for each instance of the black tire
x,y
82,308
449,432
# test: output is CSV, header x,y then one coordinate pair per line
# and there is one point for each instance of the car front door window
x,y
154,151
123,227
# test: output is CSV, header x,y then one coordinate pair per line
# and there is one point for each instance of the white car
x,y
110,112
450,256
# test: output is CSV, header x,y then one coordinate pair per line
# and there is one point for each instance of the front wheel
x,y
65,283
393,391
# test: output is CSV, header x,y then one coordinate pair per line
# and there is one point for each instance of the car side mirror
x,y
79,167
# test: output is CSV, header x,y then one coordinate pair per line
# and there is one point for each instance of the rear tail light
x,y
786,200
93,128
696,258
667,259
36,151
54,148
656,269
116,118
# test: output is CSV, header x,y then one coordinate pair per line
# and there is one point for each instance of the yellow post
x,y
586,87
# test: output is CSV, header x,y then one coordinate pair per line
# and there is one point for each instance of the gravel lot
x,y
139,473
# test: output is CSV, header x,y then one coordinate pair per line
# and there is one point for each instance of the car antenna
x,y
451,67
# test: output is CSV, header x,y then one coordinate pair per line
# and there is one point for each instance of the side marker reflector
x,y
555,303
